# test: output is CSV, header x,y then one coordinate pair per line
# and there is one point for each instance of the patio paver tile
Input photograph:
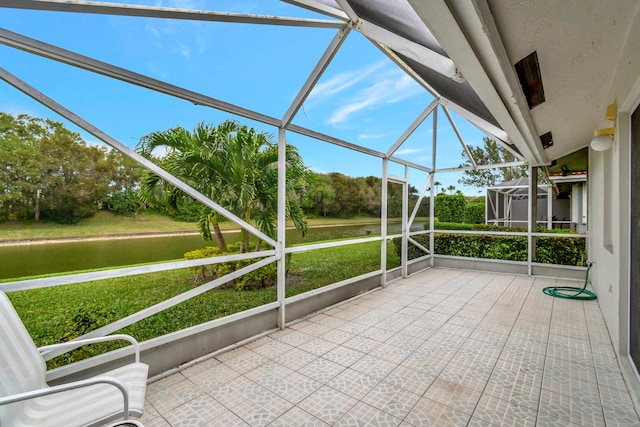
x,y
443,347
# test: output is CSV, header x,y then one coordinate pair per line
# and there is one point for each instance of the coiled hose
x,y
570,292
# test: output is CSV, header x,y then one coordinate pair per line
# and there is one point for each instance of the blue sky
x,y
362,98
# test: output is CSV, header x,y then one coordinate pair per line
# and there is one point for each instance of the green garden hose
x,y
570,292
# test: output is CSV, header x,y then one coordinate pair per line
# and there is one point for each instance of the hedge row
x,y
549,250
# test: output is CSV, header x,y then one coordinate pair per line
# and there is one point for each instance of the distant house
x,y
561,204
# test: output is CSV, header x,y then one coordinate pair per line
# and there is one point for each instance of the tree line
x,y
50,173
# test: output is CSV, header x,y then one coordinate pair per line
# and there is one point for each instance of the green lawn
x,y
52,313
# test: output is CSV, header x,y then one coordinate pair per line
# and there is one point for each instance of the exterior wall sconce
x,y
603,138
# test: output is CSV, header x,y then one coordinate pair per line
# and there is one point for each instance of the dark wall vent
x,y
528,70
547,140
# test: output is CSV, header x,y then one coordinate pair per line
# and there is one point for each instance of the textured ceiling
x,y
578,46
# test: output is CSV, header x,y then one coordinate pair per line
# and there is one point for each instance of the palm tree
x,y
451,188
437,184
233,165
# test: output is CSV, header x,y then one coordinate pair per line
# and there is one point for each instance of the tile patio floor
x,y
444,347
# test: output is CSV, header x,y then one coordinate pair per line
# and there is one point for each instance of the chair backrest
x,y
21,366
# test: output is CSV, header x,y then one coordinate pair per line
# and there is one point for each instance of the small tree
x,y
232,164
491,154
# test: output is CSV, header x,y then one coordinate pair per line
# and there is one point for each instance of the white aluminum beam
x,y
405,224
383,221
532,211
563,235
317,72
432,204
427,185
421,54
401,64
102,136
324,245
348,10
490,129
105,8
396,179
281,271
466,168
318,7
418,245
457,132
417,122
410,164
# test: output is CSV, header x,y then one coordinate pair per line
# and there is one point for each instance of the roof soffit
x,y
579,50
444,25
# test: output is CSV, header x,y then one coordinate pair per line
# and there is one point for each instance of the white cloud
x,y
341,82
392,87
371,136
410,151
177,36
184,49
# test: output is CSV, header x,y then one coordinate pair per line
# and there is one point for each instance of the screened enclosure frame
x,y
400,50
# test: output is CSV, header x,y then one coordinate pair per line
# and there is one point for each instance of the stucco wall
x,y
609,201
604,250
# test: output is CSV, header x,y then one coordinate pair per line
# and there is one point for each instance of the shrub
x,y
124,203
186,210
474,213
549,250
450,207
262,277
565,251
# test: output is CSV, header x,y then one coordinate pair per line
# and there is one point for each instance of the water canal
x,y
54,257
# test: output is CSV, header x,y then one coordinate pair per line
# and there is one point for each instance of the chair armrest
x,y
71,386
77,343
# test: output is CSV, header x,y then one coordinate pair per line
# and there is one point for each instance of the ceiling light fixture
x,y
603,138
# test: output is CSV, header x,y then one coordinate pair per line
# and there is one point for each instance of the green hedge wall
x,y
549,250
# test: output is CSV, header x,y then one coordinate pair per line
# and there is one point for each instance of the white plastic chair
x,y
27,400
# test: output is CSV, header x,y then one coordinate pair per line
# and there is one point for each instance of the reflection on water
x,y
30,260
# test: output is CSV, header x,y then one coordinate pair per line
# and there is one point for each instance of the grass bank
x,y
104,224
101,224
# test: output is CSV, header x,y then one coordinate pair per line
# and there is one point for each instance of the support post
x,y
282,209
405,223
432,201
383,223
532,214
549,207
